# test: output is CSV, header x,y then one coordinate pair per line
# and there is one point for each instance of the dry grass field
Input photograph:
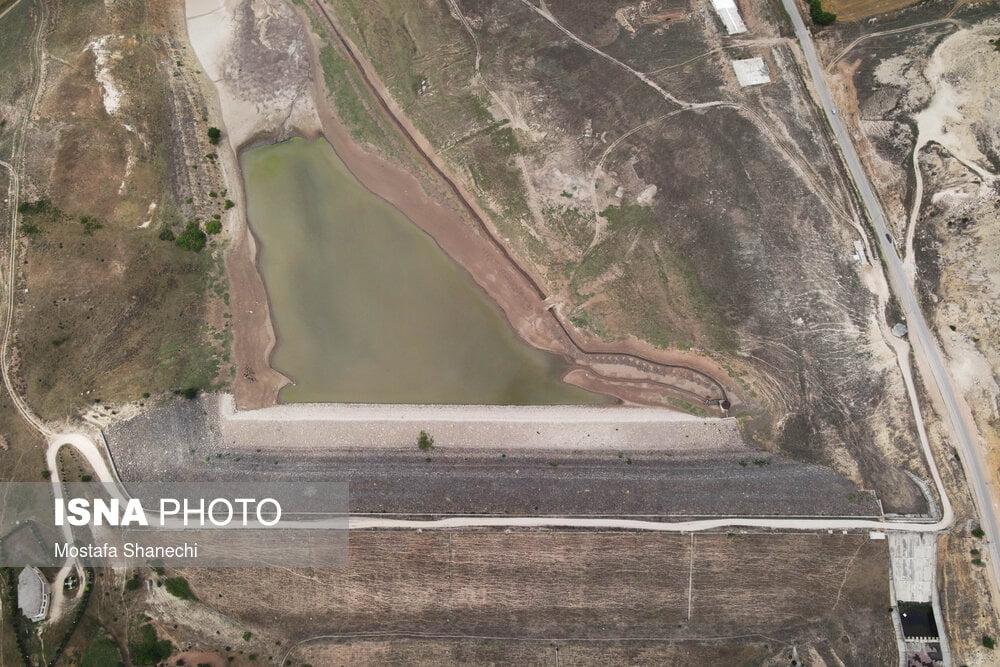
x,y
106,307
855,10
760,592
464,651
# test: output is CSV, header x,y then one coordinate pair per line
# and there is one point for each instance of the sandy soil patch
x,y
254,52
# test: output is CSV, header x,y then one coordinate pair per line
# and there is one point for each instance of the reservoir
x,y
367,308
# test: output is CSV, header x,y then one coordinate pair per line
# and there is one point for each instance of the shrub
x,y
425,442
978,532
192,238
988,642
179,588
148,649
188,393
89,225
166,234
133,584
229,204
43,205
102,651
214,134
213,227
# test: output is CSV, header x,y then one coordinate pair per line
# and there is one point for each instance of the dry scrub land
x,y
116,154
923,103
105,310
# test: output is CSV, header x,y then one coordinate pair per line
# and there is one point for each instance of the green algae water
x,y
367,308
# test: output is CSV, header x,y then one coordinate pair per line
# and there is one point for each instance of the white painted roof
x,y
730,15
32,593
751,72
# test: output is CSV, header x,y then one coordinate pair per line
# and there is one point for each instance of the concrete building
x,y
730,15
860,256
33,594
751,72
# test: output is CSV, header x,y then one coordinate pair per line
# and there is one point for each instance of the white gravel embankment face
x,y
475,426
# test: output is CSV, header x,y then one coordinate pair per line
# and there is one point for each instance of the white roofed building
x,y
730,15
33,594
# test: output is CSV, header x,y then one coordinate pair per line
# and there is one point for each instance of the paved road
x,y
924,345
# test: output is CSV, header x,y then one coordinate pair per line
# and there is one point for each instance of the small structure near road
x,y
751,72
730,15
33,594
860,256
899,330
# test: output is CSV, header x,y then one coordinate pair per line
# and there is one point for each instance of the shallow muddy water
x,y
367,307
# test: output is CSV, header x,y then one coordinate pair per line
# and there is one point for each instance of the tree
x,y
148,649
819,15
425,442
179,588
978,532
192,238
988,642
214,134
213,227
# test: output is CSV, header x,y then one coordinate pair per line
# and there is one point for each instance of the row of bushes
x,y
16,621
192,238
81,608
